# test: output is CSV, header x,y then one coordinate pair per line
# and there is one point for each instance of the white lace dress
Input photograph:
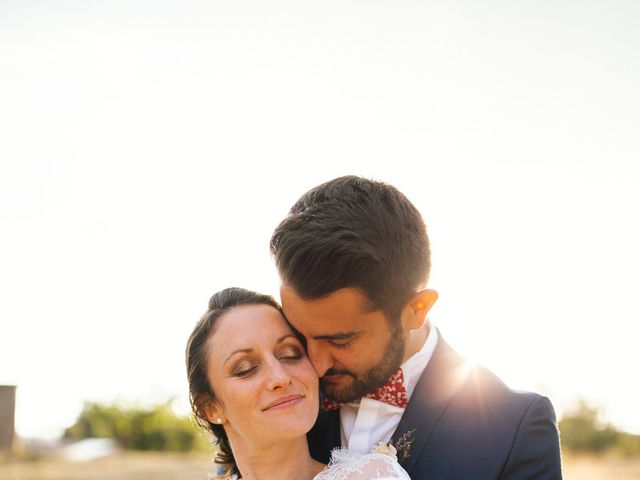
x,y
349,465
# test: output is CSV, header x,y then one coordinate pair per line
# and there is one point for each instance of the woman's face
x,y
261,377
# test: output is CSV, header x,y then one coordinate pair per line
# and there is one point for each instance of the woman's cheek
x,y
311,377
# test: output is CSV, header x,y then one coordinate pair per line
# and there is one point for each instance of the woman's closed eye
x,y
247,368
291,354
244,369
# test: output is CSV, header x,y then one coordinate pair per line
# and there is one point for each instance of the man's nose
x,y
320,357
278,376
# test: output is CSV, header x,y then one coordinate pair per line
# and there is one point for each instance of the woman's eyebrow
x,y
240,350
284,337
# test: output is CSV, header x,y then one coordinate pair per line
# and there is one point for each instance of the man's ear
x,y
416,309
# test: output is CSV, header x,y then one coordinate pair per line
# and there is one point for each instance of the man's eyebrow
x,y
336,336
249,350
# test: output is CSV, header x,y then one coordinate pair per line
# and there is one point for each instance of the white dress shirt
x,y
366,422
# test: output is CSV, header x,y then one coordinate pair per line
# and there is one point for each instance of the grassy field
x,y
600,468
122,466
166,466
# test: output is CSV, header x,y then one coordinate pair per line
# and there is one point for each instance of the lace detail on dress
x,y
349,465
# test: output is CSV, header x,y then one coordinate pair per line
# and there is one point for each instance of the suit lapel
x,y
443,376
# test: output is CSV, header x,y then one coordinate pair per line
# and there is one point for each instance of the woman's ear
x,y
415,311
211,409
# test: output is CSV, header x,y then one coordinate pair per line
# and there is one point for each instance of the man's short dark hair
x,y
354,232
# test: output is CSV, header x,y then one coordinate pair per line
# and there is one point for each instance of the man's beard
x,y
373,378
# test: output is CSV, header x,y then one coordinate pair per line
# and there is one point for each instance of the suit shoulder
x,y
476,379
484,387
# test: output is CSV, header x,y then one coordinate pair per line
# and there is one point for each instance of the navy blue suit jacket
x,y
465,424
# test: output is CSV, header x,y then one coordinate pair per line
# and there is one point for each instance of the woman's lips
x,y
284,402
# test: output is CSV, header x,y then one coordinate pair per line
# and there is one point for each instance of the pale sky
x,y
148,149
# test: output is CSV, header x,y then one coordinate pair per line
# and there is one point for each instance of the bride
x,y
252,386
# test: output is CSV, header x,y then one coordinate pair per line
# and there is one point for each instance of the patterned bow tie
x,y
393,392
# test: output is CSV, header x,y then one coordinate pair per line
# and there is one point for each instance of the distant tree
x,y
156,428
628,445
582,430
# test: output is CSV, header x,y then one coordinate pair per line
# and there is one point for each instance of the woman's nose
x,y
278,375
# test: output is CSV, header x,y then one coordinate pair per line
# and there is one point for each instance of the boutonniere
x,y
399,449
403,445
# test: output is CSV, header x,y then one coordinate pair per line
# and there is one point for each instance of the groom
x,y
353,256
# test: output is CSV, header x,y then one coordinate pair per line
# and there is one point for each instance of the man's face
x,y
353,349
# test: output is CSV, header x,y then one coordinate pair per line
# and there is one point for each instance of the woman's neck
x,y
286,459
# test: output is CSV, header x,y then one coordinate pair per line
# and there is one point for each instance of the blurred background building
x,y
7,416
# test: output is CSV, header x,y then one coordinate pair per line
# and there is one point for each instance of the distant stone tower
x,y
7,416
